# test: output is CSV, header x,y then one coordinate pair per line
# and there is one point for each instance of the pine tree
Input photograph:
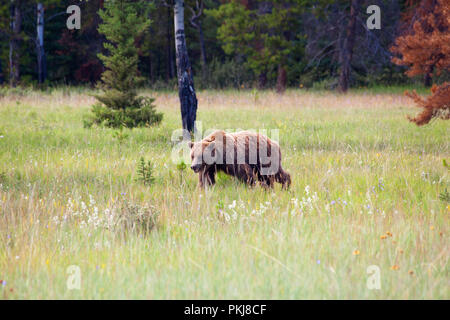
x,y
123,22
426,50
260,33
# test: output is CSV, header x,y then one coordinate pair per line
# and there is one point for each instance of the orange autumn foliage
x,y
426,50
435,106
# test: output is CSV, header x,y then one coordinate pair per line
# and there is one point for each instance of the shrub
x,y
135,218
224,74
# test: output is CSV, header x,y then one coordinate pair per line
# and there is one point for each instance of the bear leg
x,y
211,176
200,180
266,181
206,177
248,174
284,178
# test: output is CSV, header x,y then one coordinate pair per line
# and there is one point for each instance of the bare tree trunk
x,y
201,39
196,23
347,49
262,80
150,66
172,64
264,7
41,60
186,91
14,43
281,79
169,63
2,78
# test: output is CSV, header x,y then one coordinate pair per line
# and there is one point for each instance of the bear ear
x,y
190,144
212,148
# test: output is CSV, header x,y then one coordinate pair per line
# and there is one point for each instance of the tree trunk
x,y
281,79
264,7
2,78
262,80
150,66
428,78
41,60
197,25
169,63
347,49
201,39
14,43
186,91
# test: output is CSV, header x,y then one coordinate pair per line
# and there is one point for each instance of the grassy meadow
x,y
366,190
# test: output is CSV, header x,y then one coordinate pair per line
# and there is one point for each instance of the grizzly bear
x,y
246,155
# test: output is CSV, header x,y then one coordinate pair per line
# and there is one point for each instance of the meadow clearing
x,y
366,187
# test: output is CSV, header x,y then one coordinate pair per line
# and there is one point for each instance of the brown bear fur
x,y
245,155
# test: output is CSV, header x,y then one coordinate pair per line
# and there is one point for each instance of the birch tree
x,y
186,90
40,53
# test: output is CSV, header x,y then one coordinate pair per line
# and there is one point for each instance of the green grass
x,y
366,170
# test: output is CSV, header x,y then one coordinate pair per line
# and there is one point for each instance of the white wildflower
x,y
232,205
307,188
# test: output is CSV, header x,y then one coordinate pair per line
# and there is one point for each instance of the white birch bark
x,y
42,72
186,91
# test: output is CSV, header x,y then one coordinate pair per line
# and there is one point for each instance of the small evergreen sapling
x,y
145,172
181,167
123,22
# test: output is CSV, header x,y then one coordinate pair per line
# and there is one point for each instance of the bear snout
x,y
196,167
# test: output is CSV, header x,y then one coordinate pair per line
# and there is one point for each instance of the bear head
x,y
203,155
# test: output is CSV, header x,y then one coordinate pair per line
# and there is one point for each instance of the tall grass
x,y
365,191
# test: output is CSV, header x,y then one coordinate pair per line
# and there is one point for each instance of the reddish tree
x,y
435,106
426,51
